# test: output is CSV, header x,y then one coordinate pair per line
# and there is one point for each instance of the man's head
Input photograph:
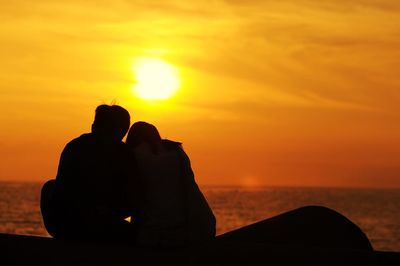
x,y
111,121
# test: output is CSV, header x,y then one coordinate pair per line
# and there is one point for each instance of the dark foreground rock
x,y
32,250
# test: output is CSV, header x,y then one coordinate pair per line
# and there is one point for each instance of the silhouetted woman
x,y
171,210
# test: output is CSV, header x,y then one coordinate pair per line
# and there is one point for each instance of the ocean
x,y
376,211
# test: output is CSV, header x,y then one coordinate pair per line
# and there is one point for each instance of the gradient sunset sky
x,y
291,92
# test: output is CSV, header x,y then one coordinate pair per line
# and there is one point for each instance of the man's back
x,y
92,172
89,193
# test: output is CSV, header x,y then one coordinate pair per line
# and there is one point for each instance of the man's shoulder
x,y
81,140
86,137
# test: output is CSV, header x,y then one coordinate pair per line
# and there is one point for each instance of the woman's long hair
x,y
143,132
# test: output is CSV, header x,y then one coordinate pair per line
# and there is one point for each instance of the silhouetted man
x,y
87,200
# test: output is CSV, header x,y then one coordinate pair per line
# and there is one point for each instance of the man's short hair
x,y
112,120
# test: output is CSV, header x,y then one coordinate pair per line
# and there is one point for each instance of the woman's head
x,y
143,132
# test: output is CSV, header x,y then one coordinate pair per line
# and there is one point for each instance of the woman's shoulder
x,y
171,145
161,149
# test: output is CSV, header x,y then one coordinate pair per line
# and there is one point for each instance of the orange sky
x,y
294,92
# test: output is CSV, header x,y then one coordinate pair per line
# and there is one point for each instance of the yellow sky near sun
x,y
272,92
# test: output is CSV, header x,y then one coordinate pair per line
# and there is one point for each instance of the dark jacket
x,y
91,182
173,209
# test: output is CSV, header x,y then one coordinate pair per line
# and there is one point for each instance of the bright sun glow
x,y
155,79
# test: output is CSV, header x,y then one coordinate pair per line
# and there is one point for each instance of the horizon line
x,y
241,186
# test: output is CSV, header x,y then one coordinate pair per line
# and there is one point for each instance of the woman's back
x,y
162,197
170,198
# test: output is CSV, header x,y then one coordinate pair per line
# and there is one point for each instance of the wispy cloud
x,y
292,67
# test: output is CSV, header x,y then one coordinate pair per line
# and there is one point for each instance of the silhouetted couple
x,y
101,181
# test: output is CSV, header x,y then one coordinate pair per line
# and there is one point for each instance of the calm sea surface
x,y
376,211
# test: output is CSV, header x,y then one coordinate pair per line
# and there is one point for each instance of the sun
x,y
155,79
